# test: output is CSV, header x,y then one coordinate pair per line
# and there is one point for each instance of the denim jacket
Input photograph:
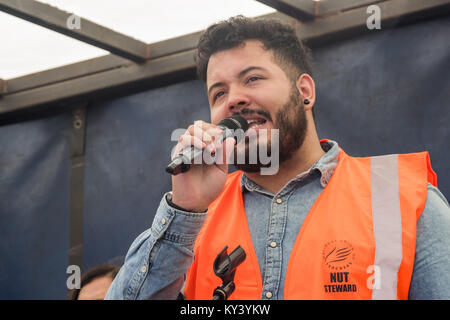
x,y
158,259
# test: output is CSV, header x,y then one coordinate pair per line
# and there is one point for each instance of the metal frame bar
x,y
353,22
298,9
2,87
89,32
172,61
324,7
100,64
77,148
109,83
65,73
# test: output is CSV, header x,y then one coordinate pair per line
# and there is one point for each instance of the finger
x,y
200,132
216,134
205,126
186,140
207,132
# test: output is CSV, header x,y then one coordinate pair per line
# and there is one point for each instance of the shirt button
x,y
143,269
273,244
268,294
163,221
279,200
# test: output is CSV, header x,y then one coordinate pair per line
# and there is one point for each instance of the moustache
x,y
246,111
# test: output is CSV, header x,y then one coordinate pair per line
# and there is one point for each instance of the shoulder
x,y
435,218
431,275
437,207
436,196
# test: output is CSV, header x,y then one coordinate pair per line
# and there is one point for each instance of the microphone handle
x,y
183,161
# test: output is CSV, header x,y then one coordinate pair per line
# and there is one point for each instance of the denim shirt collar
x,y
325,165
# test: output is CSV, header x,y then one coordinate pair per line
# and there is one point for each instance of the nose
x,y
236,101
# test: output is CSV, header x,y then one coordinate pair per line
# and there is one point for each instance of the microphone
x,y
183,161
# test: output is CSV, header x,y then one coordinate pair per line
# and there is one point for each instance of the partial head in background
x,y
95,283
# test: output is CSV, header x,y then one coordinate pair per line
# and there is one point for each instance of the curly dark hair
x,y
288,50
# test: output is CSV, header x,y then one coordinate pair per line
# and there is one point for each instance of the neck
x,y
302,160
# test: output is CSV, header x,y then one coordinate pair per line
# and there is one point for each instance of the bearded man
x,y
325,225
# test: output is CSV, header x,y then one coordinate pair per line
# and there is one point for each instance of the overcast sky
x,y
26,48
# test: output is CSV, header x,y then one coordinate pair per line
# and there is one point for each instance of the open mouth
x,y
256,123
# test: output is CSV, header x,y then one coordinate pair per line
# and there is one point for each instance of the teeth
x,y
257,122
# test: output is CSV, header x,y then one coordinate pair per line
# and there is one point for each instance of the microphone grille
x,y
235,122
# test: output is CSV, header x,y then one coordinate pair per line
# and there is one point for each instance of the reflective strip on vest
x,y
387,226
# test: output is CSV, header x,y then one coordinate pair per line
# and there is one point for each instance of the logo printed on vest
x,y
339,255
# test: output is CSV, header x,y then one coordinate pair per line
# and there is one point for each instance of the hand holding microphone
x,y
201,184
183,161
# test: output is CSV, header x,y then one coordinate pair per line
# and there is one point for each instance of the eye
x,y
252,79
218,95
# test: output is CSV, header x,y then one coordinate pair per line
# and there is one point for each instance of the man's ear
x,y
307,89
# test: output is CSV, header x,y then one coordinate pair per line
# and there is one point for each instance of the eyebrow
x,y
240,75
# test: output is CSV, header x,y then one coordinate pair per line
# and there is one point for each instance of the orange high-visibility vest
x,y
357,241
